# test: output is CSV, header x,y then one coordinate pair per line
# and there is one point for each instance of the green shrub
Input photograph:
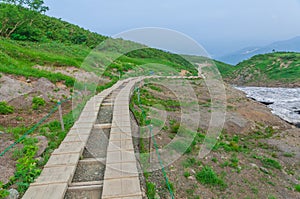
x,y
3,192
289,155
186,174
17,131
37,102
5,109
151,190
175,127
234,161
270,163
26,168
297,187
207,176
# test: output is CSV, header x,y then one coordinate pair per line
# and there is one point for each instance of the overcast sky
x,y
221,26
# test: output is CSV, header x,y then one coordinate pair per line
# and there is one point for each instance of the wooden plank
x,y
70,147
76,138
107,104
81,184
63,160
85,188
102,126
93,160
55,175
51,191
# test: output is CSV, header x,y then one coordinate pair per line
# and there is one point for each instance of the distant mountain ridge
x,y
291,45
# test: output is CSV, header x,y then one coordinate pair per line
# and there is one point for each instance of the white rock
x,y
13,194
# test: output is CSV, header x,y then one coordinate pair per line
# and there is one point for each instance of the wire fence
x,y
155,145
32,129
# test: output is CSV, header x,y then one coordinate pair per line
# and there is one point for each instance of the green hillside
x,y
30,44
27,24
29,38
281,68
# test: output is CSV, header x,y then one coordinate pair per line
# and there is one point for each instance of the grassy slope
x,y
52,42
268,69
19,58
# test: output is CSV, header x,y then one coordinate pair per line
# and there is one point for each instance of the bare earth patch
x,y
263,162
19,92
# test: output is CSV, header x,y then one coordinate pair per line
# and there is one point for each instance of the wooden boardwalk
x,y
121,176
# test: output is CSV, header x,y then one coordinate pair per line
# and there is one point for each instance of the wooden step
x,y
102,126
93,160
107,104
85,186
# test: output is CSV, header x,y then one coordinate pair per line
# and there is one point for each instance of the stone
x,y
253,165
13,194
191,178
223,157
156,196
263,169
42,144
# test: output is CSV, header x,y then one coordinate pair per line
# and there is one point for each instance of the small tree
x,y
37,5
14,17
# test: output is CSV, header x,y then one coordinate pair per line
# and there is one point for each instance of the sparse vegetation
x,y
268,162
289,155
232,155
271,197
28,167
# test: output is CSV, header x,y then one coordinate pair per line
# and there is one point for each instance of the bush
x,y
175,127
37,102
270,163
26,168
5,109
3,192
207,176
186,174
151,190
297,187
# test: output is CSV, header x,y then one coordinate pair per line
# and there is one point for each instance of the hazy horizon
x,y
220,26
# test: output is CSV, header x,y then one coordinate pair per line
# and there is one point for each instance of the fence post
x,y
150,141
61,116
139,96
